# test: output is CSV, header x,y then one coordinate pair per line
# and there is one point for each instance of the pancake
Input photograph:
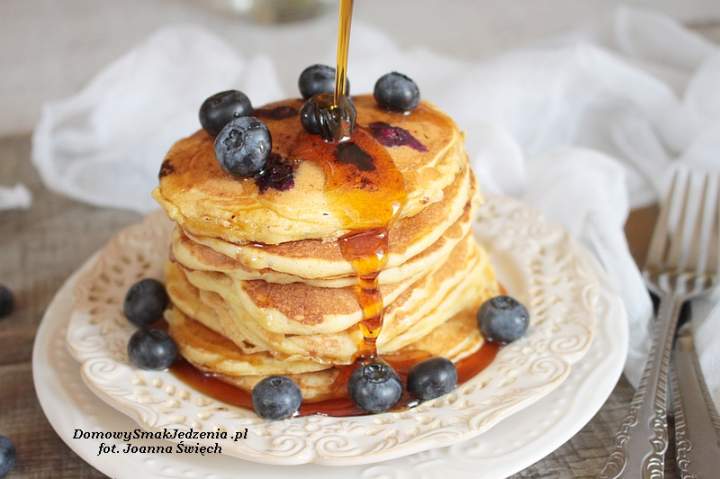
x,y
195,256
217,353
323,259
206,201
257,279
455,339
463,281
297,308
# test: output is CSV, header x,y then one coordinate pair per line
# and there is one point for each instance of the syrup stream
x,y
343,45
377,200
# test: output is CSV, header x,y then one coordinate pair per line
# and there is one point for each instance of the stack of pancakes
x,y
259,285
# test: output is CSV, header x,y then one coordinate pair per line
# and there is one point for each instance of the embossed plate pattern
x,y
510,446
538,263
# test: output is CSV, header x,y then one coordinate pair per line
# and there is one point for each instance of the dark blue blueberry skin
x,y
397,92
310,118
145,302
375,387
152,349
7,456
320,116
243,146
503,319
219,109
317,79
7,301
432,378
276,397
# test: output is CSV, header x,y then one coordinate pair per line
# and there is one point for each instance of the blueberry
x,y
152,349
318,79
310,118
242,147
276,397
7,456
503,319
432,378
145,302
219,109
375,387
7,301
397,92
320,116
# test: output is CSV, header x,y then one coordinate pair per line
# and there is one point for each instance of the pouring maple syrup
x,y
336,112
373,201
345,9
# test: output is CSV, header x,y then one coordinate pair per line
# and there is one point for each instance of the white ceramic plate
x,y
537,262
512,445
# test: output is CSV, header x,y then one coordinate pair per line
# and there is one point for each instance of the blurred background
x,y
49,49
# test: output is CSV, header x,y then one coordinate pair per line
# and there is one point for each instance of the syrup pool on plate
x,y
341,405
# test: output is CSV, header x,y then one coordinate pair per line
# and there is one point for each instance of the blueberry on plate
x,y
375,387
7,456
276,397
503,319
317,79
152,349
7,301
432,378
397,92
243,146
145,302
219,109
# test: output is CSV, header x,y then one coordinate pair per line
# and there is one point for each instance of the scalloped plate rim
x,y
49,393
312,456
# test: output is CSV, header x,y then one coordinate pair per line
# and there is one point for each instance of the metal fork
x,y
697,423
675,276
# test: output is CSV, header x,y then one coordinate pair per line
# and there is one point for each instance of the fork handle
x,y
641,441
697,424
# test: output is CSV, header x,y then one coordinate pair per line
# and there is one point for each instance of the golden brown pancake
x,y
298,308
220,355
322,258
206,201
455,339
463,281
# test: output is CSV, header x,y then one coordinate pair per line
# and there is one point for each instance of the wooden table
x,y
40,247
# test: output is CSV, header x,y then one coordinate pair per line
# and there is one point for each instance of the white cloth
x,y
105,144
16,197
583,126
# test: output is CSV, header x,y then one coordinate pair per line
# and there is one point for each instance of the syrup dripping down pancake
x,y
459,283
321,259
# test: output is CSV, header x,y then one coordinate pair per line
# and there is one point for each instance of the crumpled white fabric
x,y
14,198
583,126
105,144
